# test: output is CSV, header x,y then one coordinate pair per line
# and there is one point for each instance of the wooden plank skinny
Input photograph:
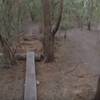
x,y
30,91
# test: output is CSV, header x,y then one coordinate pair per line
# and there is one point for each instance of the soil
x,y
12,79
72,76
11,82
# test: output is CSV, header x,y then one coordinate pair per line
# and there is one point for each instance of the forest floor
x,y
72,76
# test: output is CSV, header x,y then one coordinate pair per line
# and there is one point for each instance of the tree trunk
x,y
49,34
48,48
48,40
89,26
97,96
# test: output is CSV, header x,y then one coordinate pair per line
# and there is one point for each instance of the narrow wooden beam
x,y
30,91
22,56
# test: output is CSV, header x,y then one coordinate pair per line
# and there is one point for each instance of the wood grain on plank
x,y
30,92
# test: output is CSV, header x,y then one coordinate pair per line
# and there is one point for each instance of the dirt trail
x,y
87,46
69,77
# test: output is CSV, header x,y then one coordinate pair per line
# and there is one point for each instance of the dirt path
x,y
87,46
73,75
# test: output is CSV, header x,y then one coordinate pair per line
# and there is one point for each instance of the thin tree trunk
x,y
89,26
54,31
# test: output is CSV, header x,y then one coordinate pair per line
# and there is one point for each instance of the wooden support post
x,y
30,91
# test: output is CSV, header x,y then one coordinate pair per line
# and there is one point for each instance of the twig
x,y
72,70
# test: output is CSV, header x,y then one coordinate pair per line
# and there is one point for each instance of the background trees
x,y
11,20
76,13
34,8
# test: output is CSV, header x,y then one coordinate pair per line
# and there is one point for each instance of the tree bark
x,y
49,48
49,35
48,39
59,19
89,26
